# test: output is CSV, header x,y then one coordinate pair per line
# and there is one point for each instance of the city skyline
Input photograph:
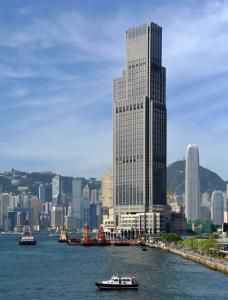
x,y
52,58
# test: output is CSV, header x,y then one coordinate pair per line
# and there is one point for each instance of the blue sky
x,y
57,62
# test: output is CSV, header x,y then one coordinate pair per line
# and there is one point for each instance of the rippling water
x,y
57,271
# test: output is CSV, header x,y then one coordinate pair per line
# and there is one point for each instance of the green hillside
x,y
209,181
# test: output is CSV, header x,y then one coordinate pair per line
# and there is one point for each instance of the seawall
x,y
206,261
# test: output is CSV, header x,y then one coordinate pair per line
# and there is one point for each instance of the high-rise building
x,y
13,201
139,125
56,217
36,207
205,207
77,202
4,204
56,190
226,205
217,207
42,192
94,198
86,192
192,190
107,189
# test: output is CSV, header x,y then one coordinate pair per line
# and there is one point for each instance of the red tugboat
x,y
86,239
74,241
27,238
101,238
63,238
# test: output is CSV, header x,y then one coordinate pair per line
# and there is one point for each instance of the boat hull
x,y
27,243
103,244
103,286
74,242
63,241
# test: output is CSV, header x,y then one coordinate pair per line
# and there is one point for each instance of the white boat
x,y
118,283
27,238
54,233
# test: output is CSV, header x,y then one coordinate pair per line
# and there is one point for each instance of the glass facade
x,y
139,124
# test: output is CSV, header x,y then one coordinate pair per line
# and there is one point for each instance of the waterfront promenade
x,y
220,265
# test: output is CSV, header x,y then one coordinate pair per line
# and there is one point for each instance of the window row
x,y
129,107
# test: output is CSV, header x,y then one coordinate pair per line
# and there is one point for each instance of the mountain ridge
x,y
209,180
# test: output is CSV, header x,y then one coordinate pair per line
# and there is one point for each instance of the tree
x,y
206,245
192,243
170,237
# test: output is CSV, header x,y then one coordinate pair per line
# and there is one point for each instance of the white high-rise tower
x,y
192,183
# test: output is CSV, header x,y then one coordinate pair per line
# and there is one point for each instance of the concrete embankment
x,y
206,261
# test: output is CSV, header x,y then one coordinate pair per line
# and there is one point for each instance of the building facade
x,y
226,205
4,204
56,217
107,189
56,190
217,208
77,203
139,125
42,192
192,191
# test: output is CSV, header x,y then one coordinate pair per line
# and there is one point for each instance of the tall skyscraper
x,y
139,124
4,203
94,196
217,207
107,189
36,207
77,202
56,190
226,205
42,192
192,190
56,216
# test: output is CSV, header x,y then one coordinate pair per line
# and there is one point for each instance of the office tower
x,y
36,208
107,189
192,183
226,205
94,196
13,201
77,202
42,192
56,190
205,207
86,192
4,204
217,207
139,125
56,216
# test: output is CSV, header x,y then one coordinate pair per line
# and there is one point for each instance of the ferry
x,y
27,238
118,283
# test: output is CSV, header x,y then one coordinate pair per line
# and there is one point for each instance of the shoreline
x,y
197,258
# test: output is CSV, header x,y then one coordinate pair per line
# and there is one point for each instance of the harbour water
x,y
57,271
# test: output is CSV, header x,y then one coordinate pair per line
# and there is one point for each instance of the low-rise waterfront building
x,y
153,223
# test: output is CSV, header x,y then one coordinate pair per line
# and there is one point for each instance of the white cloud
x,y
24,11
195,55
